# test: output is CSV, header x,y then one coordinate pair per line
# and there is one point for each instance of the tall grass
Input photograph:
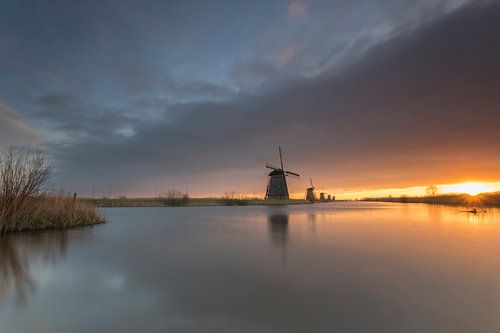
x,y
23,204
51,212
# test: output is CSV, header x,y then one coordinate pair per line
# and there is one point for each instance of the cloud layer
x,y
409,99
14,130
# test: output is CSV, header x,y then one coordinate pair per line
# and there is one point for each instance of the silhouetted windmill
x,y
277,187
310,196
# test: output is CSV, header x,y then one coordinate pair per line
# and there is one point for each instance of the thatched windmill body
x,y
277,187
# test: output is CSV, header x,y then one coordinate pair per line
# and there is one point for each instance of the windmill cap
x,y
276,172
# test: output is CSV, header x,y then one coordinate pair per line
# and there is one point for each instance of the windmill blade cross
x,y
292,173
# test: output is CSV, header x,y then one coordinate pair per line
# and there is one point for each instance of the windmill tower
x,y
310,196
277,187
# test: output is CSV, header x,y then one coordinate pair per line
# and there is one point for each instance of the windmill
x,y
276,181
310,196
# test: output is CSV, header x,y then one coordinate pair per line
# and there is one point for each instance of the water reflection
x,y
20,252
439,213
14,269
311,217
357,267
278,229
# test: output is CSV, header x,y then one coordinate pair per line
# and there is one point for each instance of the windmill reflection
x,y
278,230
18,253
311,218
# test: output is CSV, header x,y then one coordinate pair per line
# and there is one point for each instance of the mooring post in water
x,y
74,197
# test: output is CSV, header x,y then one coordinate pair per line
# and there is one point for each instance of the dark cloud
x,y
360,94
78,119
406,112
14,129
334,35
140,80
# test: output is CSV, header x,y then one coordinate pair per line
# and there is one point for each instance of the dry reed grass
x,y
24,206
51,212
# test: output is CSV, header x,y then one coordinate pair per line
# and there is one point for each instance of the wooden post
x,y
74,197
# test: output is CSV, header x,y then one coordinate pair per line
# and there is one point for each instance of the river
x,y
333,267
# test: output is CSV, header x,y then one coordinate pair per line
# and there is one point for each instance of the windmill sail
x,y
277,187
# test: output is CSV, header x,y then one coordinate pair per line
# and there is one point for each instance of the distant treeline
x,y
480,200
184,200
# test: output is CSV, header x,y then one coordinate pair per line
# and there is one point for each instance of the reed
x,y
51,212
23,203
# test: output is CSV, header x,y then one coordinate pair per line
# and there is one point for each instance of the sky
x,y
139,97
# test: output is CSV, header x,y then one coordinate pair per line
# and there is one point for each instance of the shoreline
x,y
486,200
49,213
189,202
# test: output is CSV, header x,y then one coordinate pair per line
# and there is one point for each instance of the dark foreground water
x,y
341,267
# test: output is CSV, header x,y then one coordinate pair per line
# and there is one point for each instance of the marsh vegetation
x,y
24,205
228,199
466,200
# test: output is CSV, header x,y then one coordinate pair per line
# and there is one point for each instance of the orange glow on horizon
x,y
471,188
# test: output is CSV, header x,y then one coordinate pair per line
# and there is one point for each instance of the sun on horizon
x,y
471,188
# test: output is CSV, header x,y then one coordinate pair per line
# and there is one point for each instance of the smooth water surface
x,y
340,267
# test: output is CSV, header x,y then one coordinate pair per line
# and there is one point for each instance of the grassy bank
x,y
50,212
187,202
24,172
465,200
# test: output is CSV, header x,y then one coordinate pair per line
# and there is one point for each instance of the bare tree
x,y
23,172
431,190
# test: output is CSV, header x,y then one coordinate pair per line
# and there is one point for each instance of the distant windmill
x,y
276,182
310,196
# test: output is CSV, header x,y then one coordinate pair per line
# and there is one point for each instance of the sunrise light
x,y
471,188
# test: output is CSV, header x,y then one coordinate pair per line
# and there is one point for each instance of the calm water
x,y
341,267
